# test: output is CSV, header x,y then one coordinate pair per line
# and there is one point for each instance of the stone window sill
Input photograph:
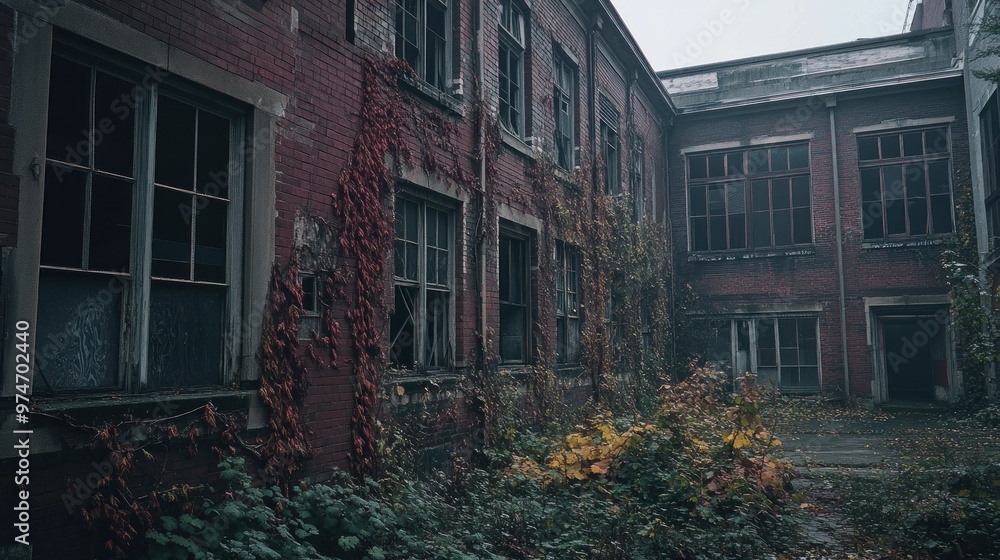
x,y
722,256
450,103
905,243
516,144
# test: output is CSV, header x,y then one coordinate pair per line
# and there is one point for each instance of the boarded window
x,y
94,185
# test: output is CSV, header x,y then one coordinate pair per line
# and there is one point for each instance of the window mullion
x,y
233,342
137,329
419,316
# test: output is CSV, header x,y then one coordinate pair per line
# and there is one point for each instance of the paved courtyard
x,y
827,444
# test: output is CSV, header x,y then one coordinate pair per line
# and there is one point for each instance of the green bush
x,y
932,512
699,480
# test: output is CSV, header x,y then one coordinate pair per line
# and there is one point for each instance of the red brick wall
x,y
319,70
812,279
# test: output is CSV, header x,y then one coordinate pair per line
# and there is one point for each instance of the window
x,y
514,298
773,210
567,276
312,300
420,326
564,110
638,176
782,351
422,38
905,183
511,65
609,147
787,353
989,121
142,193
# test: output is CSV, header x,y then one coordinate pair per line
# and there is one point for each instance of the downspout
x,y
832,104
592,96
481,292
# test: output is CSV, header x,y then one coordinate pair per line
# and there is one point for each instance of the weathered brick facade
x,y
888,275
293,71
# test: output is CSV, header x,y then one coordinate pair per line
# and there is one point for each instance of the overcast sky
x,y
679,33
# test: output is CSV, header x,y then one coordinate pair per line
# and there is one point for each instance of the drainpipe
x,y
831,104
480,77
598,23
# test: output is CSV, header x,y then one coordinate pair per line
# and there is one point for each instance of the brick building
x,y
157,158
811,197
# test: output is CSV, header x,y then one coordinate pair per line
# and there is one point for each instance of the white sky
x,y
679,33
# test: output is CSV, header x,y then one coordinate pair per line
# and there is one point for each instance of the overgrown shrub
x,y
701,478
931,512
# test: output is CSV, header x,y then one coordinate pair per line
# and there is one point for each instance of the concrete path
x,y
827,444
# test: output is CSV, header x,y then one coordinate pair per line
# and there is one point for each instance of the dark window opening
x,y
775,210
906,184
511,67
564,110
420,327
514,299
567,279
421,38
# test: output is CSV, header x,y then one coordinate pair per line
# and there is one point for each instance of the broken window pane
x,y
175,143
798,156
913,144
402,329
938,174
890,146
67,138
868,148
114,128
62,217
437,321
937,141
79,325
110,224
210,235
716,165
735,163
172,213
697,167
213,155
185,335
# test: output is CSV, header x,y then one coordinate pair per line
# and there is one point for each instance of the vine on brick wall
x,y
971,293
364,206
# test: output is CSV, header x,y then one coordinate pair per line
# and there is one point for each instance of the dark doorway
x,y
914,350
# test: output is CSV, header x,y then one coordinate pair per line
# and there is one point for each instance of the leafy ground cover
x,y
700,478
892,485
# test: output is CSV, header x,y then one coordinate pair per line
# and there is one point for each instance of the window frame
x,y
565,316
565,142
752,338
133,360
741,169
609,125
423,287
423,29
520,236
989,122
514,24
637,176
924,161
